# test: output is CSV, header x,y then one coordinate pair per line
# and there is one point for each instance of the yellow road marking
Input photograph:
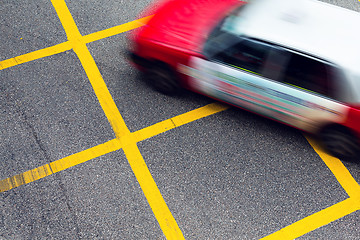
x,y
329,214
177,121
136,161
62,47
65,46
341,173
316,220
116,30
107,103
148,185
162,213
59,165
128,140
110,146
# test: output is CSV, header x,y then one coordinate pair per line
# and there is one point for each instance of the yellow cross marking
x,y
127,140
331,213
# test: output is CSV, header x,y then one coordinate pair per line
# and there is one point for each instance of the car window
x,y
309,74
247,54
221,37
276,63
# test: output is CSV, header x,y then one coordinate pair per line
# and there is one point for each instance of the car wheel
x,y
341,143
162,78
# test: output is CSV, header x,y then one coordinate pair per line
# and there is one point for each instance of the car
x,y
297,62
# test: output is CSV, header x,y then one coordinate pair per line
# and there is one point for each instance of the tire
x,y
341,143
162,79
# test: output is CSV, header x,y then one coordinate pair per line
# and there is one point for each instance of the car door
x,y
234,74
257,76
309,90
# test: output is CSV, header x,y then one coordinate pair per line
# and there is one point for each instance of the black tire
x,y
162,78
341,143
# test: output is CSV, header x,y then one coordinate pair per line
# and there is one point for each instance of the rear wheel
x,y
162,78
341,143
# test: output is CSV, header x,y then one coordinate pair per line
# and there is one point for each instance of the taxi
x,y
294,61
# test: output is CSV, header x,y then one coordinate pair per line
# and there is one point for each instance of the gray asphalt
x,y
232,175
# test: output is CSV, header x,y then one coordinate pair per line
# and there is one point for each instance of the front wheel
x,y
341,143
162,78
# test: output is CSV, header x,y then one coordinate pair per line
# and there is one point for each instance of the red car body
x,y
178,31
175,33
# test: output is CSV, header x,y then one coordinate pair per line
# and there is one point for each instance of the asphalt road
x,y
223,174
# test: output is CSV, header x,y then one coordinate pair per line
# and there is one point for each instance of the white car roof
x,y
310,26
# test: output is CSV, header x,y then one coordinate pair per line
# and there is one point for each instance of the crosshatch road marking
x,y
62,47
127,141
341,173
162,213
331,213
110,146
152,193
135,159
316,220
177,121
116,30
59,165
65,46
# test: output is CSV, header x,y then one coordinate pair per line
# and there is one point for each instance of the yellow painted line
x,y
329,214
59,165
179,120
110,146
71,30
162,213
316,220
341,173
106,101
86,155
135,159
156,202
116,30
148,185
62,47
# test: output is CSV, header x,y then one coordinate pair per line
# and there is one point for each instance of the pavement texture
x,y
89,151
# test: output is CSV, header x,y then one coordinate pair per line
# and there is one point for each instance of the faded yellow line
x,y
86,155
316,220
62,47
341,173
179,120
113,145
59,165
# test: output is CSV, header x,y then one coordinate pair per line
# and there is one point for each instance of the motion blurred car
x,y
294,61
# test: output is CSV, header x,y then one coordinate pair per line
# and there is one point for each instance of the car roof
x,y
309,26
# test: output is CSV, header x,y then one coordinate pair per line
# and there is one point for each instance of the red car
x,y
291,61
